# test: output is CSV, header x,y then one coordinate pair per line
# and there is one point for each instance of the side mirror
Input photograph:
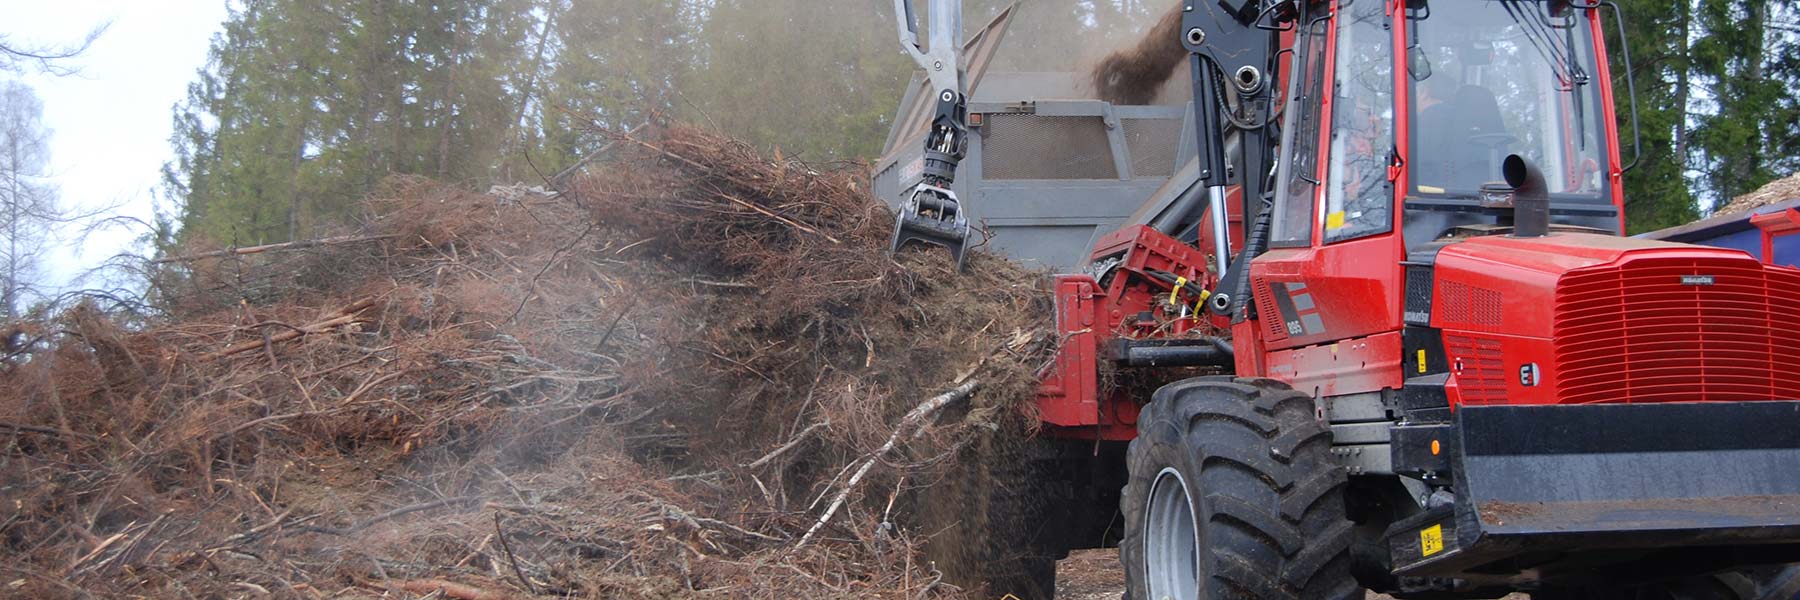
x,y
1637,138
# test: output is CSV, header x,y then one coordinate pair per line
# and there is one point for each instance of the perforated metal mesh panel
x,y
1034,147
1267,310
1418,295
1481,370
1475,307
1153,146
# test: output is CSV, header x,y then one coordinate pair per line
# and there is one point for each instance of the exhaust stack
x,y
1531,197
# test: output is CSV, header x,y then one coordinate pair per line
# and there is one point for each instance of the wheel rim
x,y
1171,541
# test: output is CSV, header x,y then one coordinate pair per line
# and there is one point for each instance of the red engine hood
x,y
1580,318
1505,285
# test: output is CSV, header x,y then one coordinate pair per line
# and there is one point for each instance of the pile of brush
x,y
696,371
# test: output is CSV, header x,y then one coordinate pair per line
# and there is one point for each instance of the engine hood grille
x,y
1691,328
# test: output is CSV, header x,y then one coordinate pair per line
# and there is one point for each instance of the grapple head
x,y
932,216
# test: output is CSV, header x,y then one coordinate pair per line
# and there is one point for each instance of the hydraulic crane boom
x,y
930,213
1228,41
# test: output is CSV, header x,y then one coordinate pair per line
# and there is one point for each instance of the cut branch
x,y
912,418
398,512
285,246
20,427
344,316
451,590
792,444
773,215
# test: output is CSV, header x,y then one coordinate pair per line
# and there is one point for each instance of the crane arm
x,y
930,212
1230,58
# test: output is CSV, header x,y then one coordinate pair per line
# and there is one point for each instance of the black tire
x,y
1267,500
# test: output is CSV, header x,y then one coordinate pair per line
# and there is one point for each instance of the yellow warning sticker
x,y
1334,220
1421,360
1431,540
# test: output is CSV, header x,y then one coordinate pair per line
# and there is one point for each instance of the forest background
x,y
304,106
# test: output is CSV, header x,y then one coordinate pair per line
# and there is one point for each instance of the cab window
x,y
1501,78
1359,197
1293,213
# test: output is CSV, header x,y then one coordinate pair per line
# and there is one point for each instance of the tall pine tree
x,y
1656,190
304,106
1751,79
616,64
819,79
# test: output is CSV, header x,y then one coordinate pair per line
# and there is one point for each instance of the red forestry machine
x,y
1392,337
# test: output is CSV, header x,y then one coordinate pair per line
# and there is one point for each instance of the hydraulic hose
x,y
1238,280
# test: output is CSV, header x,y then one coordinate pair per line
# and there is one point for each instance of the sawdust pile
x,y
656,385
1780,190
1137,75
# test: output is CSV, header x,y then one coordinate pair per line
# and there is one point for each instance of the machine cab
x,y
1398,117
1418,108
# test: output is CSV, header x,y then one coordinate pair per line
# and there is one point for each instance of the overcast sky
x,y
110,122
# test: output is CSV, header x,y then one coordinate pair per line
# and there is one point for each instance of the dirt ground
x,y
1095,575
1090,575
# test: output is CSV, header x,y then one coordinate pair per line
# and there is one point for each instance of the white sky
x,y
110,123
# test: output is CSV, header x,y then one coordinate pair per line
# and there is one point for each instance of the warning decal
x,y
1431,540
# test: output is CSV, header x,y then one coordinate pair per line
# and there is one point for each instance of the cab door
x,y
1332,276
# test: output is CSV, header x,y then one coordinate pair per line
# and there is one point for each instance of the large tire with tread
x,y
1267,501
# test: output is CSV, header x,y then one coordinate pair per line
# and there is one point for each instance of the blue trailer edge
x,y
1773,226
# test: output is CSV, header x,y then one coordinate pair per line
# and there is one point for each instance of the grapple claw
x,y
932,216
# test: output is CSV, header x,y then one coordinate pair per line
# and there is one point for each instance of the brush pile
x,y
697,372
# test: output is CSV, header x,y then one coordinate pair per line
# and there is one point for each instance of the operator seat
x,y
1449,155
1479,114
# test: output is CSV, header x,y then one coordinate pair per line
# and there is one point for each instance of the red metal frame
x,y
1774,225
1134,303
1355,285
1615,166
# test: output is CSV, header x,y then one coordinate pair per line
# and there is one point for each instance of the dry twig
x,y
299,245
912,418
